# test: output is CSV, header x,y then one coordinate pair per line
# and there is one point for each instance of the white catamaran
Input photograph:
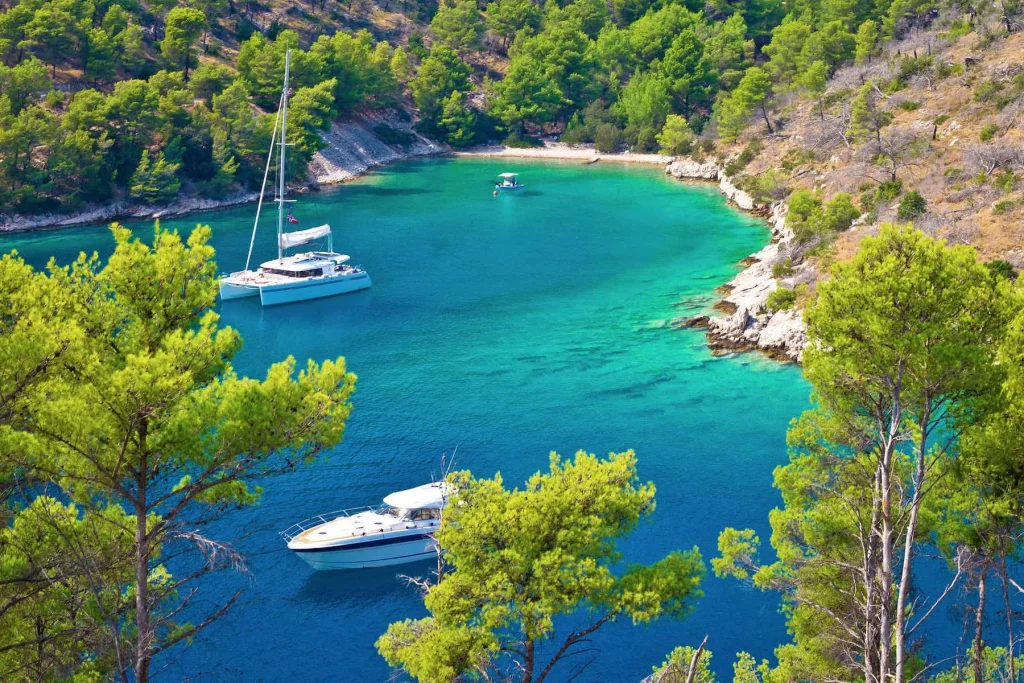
x,y
299,276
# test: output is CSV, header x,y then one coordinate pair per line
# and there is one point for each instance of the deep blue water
x,y
509,327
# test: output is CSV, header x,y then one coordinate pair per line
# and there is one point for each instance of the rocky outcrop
x,y
688,169
746,323
735,194
357,146
352,149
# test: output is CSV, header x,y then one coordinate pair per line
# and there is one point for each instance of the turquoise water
x,y
509,327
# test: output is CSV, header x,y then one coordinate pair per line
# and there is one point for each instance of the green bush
x,y
987,91
988,132
840,213
781,299
947,69
912,205
809,218
607,138
1007,181
1004,207
783,268
795,158
888,191
676,136
767,187
1002,269
867,201
958,29
745,157
521,141
910,105
802,204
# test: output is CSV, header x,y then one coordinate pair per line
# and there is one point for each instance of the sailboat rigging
x,y
299,276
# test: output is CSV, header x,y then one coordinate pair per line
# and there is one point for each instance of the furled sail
x,y
299,237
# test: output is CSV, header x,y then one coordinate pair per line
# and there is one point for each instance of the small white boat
x,y
301,276
509,181
400,531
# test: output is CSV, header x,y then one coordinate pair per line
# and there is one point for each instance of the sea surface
x,y
508,327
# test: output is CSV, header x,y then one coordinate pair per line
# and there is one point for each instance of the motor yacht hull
x,y
315,288
381,552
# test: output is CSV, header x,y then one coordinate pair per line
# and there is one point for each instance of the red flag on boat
x,y
292,219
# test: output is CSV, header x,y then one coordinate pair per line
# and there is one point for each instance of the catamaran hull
x,y
383,552
232,290
305,290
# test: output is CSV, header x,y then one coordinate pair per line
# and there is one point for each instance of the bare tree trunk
x,y
767,121
143,646
144,636
691,673
908,549
889,435
885,581
871,597
1004,577
979,623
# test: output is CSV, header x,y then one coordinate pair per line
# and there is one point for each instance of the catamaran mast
x,y
280,167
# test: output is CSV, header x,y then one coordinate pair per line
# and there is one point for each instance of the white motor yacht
x,y
400,531
509,181
299,276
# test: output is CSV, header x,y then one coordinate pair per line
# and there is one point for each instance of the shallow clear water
x,y
510,327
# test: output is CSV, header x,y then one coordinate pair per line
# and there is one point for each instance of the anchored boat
x,y
399,531
509,181
299,276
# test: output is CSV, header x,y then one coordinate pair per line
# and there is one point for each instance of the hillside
x,y
150,102
957,130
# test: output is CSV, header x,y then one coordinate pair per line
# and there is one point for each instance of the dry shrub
x,y
962,232
988,158
822,136
1012,115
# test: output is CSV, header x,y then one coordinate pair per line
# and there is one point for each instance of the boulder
x,y
735,194
784,331
689,169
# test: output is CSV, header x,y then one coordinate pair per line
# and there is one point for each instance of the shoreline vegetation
x,y
326,170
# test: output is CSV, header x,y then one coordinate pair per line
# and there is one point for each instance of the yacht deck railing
x,y
310,522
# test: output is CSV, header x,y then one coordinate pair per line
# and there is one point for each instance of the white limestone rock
x,y
735,194
786,332
689,169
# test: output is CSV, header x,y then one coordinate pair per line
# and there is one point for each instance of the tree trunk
x,y
889,433
1009,614
908,548
979,622
871,597
528,663
885,581
144,643
767,121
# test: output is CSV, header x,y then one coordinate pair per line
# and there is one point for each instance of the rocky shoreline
x,y
744,323
353,148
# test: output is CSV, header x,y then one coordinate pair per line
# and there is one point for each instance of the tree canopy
x,y
124,432
518,560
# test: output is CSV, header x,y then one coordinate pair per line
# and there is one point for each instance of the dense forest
x,y
149,100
